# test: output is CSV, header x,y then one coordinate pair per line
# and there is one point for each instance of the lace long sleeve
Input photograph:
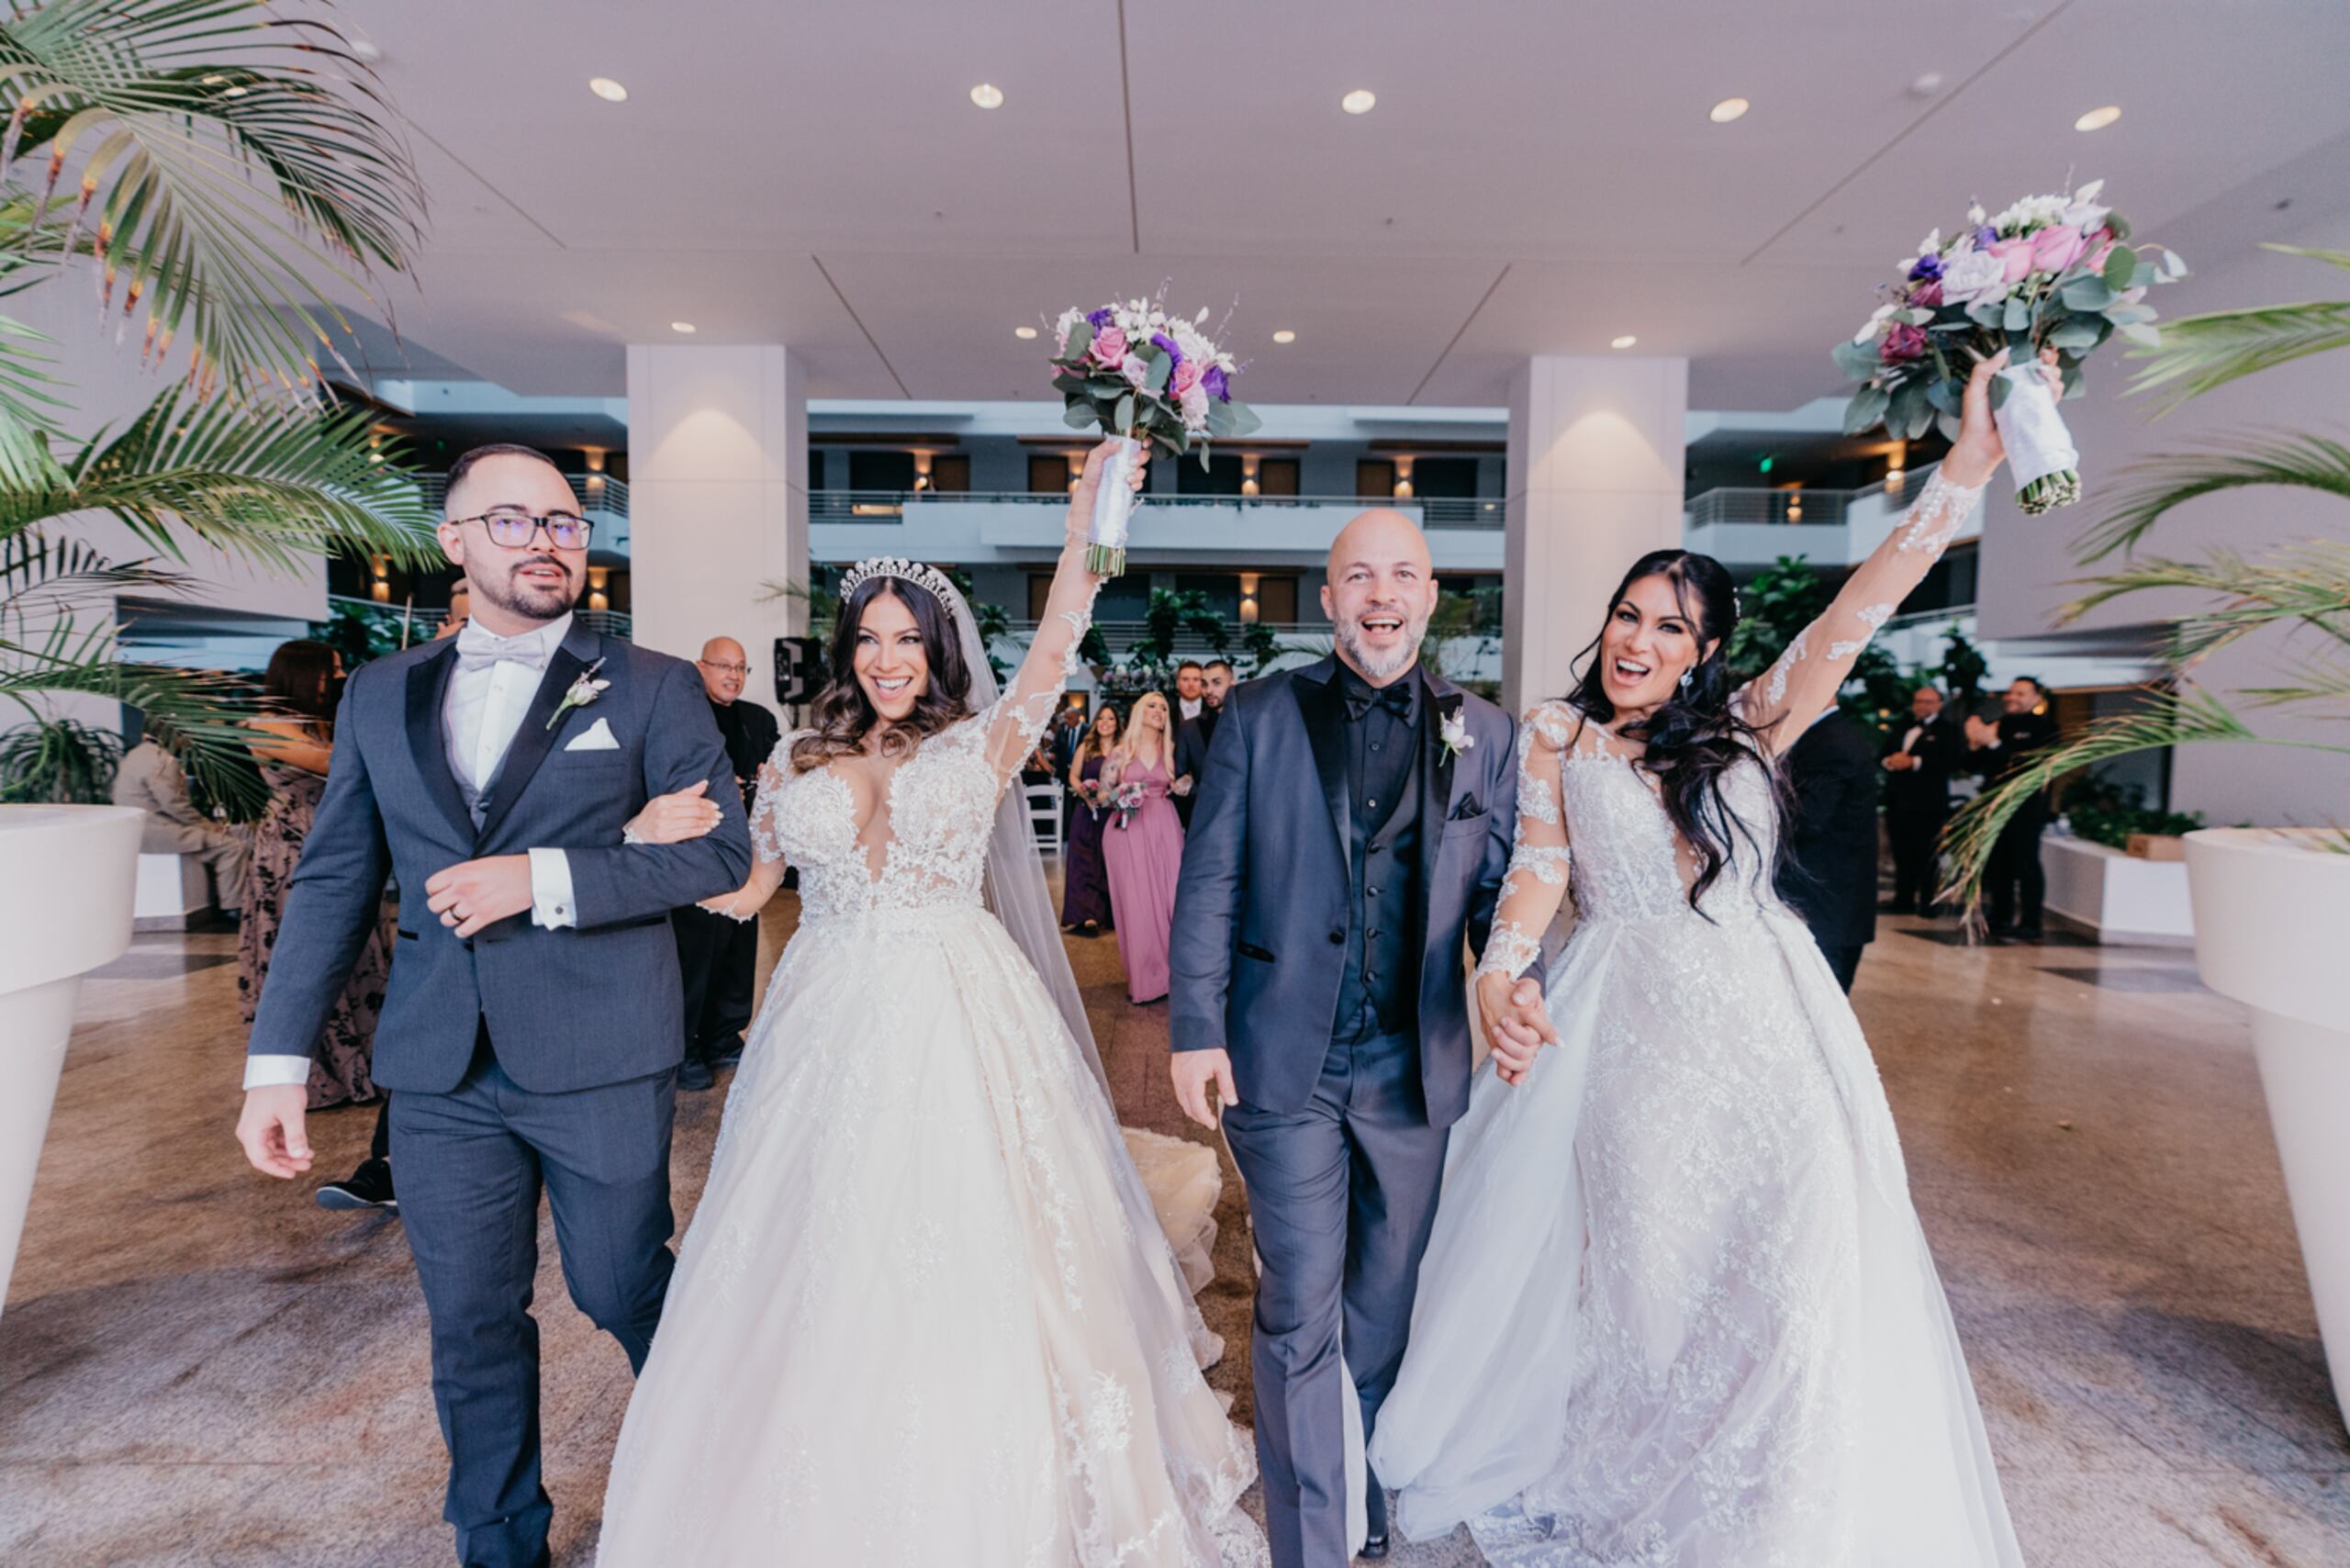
x,y
1536,883
1805,679
1017,720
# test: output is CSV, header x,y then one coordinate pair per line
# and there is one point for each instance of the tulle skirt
x,y
1677,1310
925,1313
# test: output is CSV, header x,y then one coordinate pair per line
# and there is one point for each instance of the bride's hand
x,y
1080,500
1977,453
676,817
1516,1024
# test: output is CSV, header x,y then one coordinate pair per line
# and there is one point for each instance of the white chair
x,y
1044,813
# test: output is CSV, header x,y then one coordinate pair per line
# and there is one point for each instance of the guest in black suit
x,y
1917,766
717,958
1830,874
2017,881
1193,735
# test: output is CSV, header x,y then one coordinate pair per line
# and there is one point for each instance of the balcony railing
x,y
890,506
424,624
1804,508
602,498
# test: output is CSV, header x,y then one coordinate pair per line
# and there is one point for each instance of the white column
x,y
718,498
1594,482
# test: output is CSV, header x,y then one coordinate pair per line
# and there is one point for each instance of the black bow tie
x,y
1395,698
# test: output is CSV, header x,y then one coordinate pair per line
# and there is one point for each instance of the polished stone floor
x,y
197,1366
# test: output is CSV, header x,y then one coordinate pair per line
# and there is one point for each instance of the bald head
x,y
722,666
1380,592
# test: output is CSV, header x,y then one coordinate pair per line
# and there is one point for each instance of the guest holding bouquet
x,y
1142,848
1085,897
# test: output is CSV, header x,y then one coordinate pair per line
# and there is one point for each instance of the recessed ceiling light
x,y
2098,119
1627,341
988,95
1359,101
1284,336
687,327
1023,331
1728,110
607,89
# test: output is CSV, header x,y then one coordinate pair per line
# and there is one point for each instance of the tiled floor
x,y
197,1366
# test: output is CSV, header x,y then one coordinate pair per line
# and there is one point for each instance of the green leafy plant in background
x,y
214,172
2303,586
1785,598
59,761
2106,813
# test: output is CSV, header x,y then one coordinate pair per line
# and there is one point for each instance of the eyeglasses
x,y
514,528
724,669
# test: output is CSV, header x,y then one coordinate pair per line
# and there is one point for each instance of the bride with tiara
x,y
925,1312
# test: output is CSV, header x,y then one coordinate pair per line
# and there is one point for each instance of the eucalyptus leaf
x,y
1866,410
2086,294
1944,395
1125,415
1247,420
2016,317
2000,387
1161,366
2120,267
1081,416
1221,420
2128,315
1922,419
2119,224
1857,361
2080,333
1950,426
1081,338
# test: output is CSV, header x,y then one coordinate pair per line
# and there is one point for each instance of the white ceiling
x,y
1538,176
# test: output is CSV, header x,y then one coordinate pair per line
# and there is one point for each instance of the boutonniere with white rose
x,y
584,690
1452,729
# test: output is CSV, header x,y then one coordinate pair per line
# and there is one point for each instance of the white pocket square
x,y
598,736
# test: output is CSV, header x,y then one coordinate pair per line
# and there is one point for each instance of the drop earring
x,y
1685,679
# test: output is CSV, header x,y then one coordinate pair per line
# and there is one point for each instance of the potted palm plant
x,y
214,174
2271,904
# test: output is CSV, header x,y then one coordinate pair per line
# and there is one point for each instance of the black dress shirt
x,y
1379,993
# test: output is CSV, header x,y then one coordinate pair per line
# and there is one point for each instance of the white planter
x,y
2272,927
67,874
2119,896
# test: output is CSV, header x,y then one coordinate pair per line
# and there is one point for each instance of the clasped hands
x,y
1516,1024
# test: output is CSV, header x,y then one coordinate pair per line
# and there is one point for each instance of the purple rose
x,y
1903,344
1099,319
1929,266
1217,384
1174,355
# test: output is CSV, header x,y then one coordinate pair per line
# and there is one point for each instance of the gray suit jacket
x,y
1259,949
567,1008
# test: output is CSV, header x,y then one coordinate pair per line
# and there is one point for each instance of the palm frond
x,y
2198,353
2159,485
234,164
271,481
2307,583
199,714
45,581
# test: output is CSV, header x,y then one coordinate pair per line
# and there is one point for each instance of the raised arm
x,y
1805,679
1020,715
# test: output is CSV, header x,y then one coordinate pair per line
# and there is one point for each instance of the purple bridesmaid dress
x,y
1086,895
1144,859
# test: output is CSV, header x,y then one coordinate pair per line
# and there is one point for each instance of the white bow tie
x,y
479,648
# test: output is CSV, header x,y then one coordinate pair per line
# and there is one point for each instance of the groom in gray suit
x,y
531,1033
1352,830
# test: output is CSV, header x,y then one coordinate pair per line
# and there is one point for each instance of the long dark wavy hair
x,y
1693,739
843,715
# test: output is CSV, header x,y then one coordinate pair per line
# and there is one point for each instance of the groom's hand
x,y
476,893
1516,1024
1193,1072
271,1129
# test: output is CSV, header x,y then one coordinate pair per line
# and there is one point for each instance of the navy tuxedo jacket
x,y
1259,949
567,1008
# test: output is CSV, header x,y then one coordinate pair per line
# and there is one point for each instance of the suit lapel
x,y
1323,705
1443,700
428,737
538,733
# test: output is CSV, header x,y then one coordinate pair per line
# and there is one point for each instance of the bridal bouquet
x,y
2050,271
1140,375
1127,803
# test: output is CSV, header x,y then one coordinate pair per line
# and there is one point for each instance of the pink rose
x,y
2101,247
1904,343
1187,375
1109,346
1135,369
1194,400
2057,247
2015,254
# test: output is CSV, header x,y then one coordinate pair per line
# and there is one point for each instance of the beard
x,y
532,601
1383,666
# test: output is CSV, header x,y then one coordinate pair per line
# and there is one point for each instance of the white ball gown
x,y
923,1314
1677,1310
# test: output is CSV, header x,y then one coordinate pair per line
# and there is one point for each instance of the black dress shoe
x,y
1374,1548
726,1053
369,1187
694,1074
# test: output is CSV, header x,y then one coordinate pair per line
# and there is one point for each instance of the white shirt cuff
x,y
265,1072
551,902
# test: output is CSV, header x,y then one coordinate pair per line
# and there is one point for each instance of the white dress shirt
x,y
1189,707
481,714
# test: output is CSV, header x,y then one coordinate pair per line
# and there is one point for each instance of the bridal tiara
x,y
930,579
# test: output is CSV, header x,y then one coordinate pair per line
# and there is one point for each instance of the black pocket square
x,y
1469,806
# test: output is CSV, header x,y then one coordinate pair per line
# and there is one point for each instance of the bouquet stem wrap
x,y
2039,449
1113,508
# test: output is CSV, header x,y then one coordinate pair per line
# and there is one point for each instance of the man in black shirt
x,y
718,957
1917,766
2016,884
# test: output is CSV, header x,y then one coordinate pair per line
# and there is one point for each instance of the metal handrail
x,y
600,495
425,623
889,506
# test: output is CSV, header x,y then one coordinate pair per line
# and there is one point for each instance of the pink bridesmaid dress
x,y
1144,859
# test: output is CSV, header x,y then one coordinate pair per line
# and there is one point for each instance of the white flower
x,y
1974,215
1879,319
1453,730
1971,276
584,689
1927,246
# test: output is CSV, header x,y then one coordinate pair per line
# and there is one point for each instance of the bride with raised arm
x,y
1678,1311
924,1313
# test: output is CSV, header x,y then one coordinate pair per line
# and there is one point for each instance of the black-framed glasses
x,y
514,528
